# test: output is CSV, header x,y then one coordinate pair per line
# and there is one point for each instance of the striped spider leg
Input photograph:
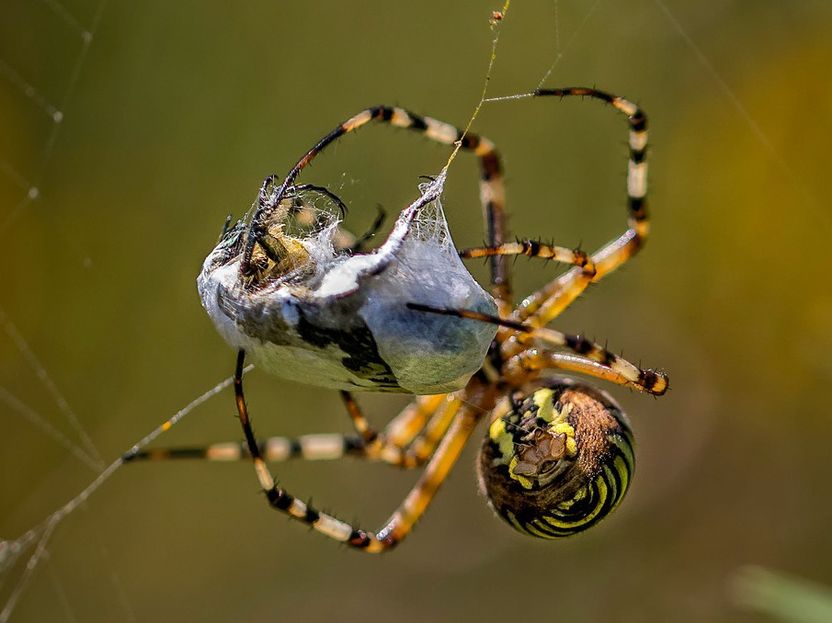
x,y
401,522
407,441
583,355
411,440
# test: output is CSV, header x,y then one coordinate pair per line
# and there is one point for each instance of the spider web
x,y
33,544
82,447
24,556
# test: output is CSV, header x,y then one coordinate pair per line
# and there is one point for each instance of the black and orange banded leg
x,y
492,192
422,447
534,248
365,432
546,304
312,447
403,443
410,450
403,519
521,359
538,360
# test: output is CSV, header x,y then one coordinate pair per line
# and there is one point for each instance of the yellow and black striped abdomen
x,y
559,462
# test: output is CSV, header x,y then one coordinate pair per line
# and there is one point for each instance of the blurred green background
x,y
173,118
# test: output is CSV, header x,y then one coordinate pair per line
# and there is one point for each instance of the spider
x,y
558,454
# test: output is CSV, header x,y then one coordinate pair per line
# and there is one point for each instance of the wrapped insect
x,y
322,315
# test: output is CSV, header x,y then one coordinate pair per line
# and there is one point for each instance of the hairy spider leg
x,y
409,511
547,303
492,192
532,361
407,441
413,450
533,248
529,359
423,446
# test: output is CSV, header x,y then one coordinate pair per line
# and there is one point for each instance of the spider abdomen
x,y
559,462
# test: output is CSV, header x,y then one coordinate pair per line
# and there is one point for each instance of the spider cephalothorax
x,y
557,455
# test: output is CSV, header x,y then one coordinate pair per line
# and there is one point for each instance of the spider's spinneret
x,y
559,462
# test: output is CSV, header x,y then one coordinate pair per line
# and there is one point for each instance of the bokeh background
x,y
173,113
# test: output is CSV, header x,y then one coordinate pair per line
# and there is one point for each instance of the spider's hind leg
x,y
401,522
407,441
401,443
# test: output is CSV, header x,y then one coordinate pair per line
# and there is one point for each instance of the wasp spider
x,y
558,454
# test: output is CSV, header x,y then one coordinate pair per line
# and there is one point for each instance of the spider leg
x,y
391,445
547,303
405,451
401,442
408,453
519,364
314,447
404,427
422,447
492,193
401,522
535,360
534,248
365,432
